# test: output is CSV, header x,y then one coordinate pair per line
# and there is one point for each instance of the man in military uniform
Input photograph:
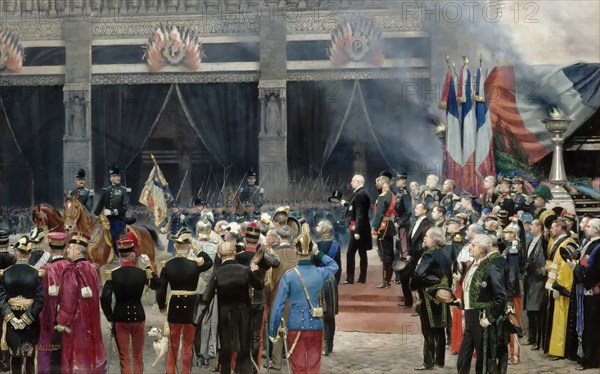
x,y
21,300
181,274
218,212
38,257
519,197
431,194
84,195
128,282
383,227
487,199
449,198
541,196
248,213
504,200
230,214
402,217
174,224
6,259
113,203
252,192
198,213
50,344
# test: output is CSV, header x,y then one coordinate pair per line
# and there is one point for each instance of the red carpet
x,y
365,308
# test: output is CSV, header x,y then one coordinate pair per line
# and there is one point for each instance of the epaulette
x,y
261,190
148,273
41,273
457,239
2,272
91,193
200,261
128,189
108,275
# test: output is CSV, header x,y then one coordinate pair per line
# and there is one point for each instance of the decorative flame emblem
x,y
356,40
11,52
179,46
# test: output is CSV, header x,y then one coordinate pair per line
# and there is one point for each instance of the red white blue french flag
x,y
453,155
468,127
484,149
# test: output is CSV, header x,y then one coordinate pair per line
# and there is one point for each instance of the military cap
x,y
125,246
491,218
183,236
4,234
114,169
248,203
78,237
544,192
198,201
386,174
466,195
36,235
402,176
251,173
502,214
456,220
518,180
229,203
252,232
219,204
506,180
57,240
80,174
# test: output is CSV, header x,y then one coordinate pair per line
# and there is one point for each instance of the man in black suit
x,y
415,249
360,230
232,282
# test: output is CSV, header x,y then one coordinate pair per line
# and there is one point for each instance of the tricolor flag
x,y
468,127
484,150
453,155
156,194
519,96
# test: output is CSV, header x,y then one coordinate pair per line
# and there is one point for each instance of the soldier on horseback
x,y
113,204
84,195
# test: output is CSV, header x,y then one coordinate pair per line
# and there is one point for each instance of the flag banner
x,y
484,148
156,195
469,129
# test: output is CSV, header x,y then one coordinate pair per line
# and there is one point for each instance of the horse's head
x,y
72,212
39,217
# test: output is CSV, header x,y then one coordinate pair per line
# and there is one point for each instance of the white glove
x,y
145,259
356,236
555,294
484,322
456,276
106,212
163,230
182,218
115,212
511,310
343,202
17,323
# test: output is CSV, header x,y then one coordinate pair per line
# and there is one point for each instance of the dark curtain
x,y
36,117
403,126
315,113
226,119
123,117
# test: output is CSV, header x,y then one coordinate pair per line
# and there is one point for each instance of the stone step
x,y
349,306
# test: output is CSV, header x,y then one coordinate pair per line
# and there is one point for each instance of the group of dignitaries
x,y
487,270
217,292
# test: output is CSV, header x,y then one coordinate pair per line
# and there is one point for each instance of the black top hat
x,y
570,252
386,174
80,174
512,324
336,197
295,224
114,169
400,264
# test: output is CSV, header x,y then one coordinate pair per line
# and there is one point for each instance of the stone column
x,y
273,166
77,140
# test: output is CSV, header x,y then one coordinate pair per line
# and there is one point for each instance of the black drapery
x,y
226,119
123,117
35,116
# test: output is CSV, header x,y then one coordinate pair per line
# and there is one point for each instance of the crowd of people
x,y
486,274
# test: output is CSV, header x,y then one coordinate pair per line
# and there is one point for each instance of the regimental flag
x,y
484,149
453,155
518,96
156,194
468,127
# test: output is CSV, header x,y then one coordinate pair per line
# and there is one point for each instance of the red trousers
x,y
123,331
306,356
457,322
186,333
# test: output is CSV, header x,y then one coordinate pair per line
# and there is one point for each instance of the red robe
x,y
54,271
83,348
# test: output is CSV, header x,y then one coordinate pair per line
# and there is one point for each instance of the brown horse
x,y
47,217
99,251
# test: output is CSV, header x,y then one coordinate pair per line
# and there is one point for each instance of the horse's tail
x,y
154,236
